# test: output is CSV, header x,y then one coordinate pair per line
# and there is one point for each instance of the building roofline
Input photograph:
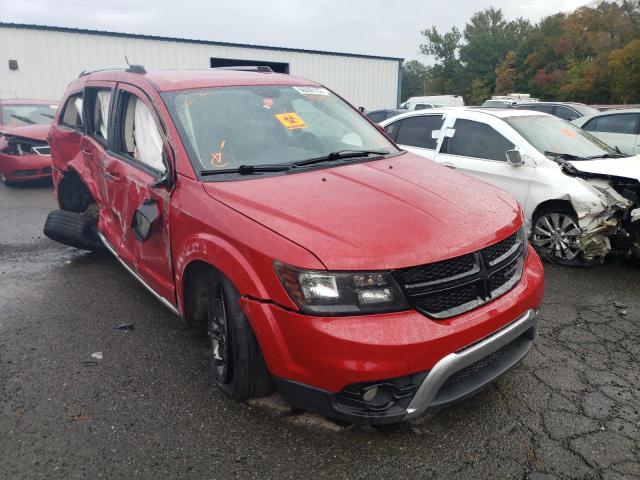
x,y
138,36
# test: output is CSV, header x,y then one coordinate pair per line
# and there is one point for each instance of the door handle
x,y
448,165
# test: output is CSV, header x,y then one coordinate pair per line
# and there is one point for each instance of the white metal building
x,y
39,61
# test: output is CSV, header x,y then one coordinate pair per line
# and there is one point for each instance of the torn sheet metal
x,y
598,221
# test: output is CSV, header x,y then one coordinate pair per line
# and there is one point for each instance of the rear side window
x,y
72,113
98,101
618,123
138,136
377,116
566,113
536,108
417,131
478,140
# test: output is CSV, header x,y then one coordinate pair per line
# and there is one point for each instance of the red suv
x,y
363,282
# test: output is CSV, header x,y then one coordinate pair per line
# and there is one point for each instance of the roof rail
x,y
248,68
117,68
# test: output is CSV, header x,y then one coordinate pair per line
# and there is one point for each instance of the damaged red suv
x,y
24,151
363,282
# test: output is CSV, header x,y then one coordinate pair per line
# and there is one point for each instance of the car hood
x,y
377,215
628,167
34,132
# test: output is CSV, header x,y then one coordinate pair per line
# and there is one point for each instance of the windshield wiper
x,y
565,156
23,119
47,115
247,170
339,155
608,155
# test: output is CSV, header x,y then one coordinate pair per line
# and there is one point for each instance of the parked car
x,y
579,195
24,151
379,115
616,128
507,101
432,101
363,282
565,110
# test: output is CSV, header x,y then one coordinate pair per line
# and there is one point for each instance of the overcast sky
x,y
376,27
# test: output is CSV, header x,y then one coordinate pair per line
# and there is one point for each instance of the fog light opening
x,y
379,396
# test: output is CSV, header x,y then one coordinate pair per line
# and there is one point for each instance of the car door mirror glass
x,y
514,158
144,218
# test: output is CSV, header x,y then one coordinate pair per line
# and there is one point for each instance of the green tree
x,y
506,75
625,68
415,77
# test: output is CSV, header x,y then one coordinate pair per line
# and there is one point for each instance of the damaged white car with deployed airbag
x,y
580,196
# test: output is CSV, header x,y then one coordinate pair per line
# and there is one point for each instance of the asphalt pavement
x,y
80,398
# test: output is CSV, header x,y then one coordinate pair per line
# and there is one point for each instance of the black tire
x,y
3,179
543,219
244,374
73,229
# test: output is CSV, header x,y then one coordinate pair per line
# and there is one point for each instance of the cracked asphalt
x,y
148,410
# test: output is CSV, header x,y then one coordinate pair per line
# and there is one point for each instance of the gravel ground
x,y
147,409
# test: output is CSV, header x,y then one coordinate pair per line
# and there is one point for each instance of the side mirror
x,y
515,158
145,216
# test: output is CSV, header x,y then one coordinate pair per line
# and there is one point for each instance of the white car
x,y
616,128
579,195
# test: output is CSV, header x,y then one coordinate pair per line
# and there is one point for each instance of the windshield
x,y
22,114
552,134
229,127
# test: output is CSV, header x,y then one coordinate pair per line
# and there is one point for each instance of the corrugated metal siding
x,y
49,60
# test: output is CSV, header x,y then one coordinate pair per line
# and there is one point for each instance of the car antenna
x,y
127,60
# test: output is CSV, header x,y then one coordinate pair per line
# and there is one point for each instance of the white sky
x,y
376,27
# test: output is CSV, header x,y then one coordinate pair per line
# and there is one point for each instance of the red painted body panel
x,y
330,353
384,214
370,216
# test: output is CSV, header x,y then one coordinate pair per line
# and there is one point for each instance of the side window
x,y
565,113
392,130
416,131
423,106
618,123
98,102
72,113
478,140
377,116
138,136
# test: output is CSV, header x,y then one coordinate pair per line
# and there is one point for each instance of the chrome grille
x,y
454,286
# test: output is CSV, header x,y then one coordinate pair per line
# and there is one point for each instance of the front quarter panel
x,y
206,230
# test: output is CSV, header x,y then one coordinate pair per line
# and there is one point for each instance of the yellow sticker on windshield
x,y
291,120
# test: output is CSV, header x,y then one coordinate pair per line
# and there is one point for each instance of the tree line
x,y
590,55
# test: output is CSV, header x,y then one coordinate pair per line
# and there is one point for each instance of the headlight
x,y
341,293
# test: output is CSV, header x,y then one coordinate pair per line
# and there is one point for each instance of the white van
x,y
433,101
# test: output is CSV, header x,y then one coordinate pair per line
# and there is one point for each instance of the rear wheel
x,y
555,234
237,364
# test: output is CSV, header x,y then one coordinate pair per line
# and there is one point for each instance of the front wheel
x,y
237,364
555,235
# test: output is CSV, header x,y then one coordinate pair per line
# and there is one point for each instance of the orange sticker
x,y
216,157
568,132
291,120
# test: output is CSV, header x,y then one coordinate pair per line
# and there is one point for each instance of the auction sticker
x,y
291,120
312,91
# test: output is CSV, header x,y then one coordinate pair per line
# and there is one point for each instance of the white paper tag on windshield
x,y
312,90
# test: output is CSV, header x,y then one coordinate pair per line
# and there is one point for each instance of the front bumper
x,y
25,168
454,378
321,364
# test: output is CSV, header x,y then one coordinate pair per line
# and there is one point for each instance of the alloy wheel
x,y
219,335
557,235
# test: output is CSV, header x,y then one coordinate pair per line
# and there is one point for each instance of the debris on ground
x,y
97,355
125,326
619,305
